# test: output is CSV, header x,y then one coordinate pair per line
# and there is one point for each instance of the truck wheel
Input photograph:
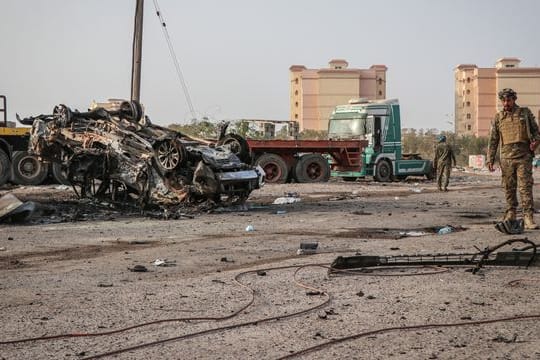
x,y
27,169
4,167
59,174
275,168
383,171
239,146
312,168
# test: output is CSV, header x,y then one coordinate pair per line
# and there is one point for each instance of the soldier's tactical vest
x,y
514,128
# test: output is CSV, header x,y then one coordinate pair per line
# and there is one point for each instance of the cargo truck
x,y
364,139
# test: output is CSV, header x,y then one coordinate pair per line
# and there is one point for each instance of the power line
x,y
175,60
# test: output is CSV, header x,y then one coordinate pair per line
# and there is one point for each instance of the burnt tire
x,y
59,174
27,169
5,169
312,168
238,145
275,168
383,171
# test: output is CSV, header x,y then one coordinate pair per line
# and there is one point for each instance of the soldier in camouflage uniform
x,y
444,158
515,128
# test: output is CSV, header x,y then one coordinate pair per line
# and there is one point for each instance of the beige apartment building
x,y
315,92
476,101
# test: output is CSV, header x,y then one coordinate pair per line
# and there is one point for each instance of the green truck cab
x,y
378,122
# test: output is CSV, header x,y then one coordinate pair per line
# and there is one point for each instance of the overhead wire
x,y
175,59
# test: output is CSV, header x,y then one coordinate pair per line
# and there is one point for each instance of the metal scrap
x,y
114,153
14,210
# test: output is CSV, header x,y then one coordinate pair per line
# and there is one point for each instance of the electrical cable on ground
x,y
407,328
268,319
254,322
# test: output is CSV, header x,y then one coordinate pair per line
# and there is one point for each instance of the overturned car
x,y
114,153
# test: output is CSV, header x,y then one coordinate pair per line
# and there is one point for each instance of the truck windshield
x,y
350,124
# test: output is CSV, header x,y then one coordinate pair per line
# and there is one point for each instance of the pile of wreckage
x,y
113,153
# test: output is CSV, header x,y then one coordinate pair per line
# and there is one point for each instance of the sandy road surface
x,y
64,277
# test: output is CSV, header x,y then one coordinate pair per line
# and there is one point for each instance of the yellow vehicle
x,y
16,165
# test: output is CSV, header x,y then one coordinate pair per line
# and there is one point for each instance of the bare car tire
x,y
275,168
312,168
27,169
170,154
239,146
383,171
5,170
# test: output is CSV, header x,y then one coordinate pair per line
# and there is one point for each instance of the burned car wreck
x,y
114,153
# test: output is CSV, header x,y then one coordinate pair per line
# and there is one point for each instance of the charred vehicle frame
x,y
114,153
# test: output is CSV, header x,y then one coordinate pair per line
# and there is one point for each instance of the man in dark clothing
x,y
444,159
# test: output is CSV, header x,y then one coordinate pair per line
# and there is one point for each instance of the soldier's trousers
x,y
443,175
517,175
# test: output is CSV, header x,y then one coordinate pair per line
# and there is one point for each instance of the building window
x,y
468,116
296,81
468,127
296,116
380,81
296,92
468,91
296,104
509,65
468,79
468,103
380,92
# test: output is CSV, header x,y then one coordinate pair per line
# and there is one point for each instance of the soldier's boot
x,y
510,215
529,222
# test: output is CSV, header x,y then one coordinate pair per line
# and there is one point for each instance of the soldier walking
x,y
515,128
444,158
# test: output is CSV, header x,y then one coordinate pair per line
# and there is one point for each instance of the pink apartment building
x,y
315,92
476,101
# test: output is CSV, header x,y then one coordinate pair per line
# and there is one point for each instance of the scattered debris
x,y
412,233
313,293
138,268
502,339
361,212
261,273
3,248
445,230
14,210
225,259
487,256
104,284
286,200
307,248
164,262
511,227
250,228
281,212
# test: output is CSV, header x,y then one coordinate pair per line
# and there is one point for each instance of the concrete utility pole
x,y
137,52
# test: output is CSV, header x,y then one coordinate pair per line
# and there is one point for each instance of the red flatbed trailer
x,y
306,160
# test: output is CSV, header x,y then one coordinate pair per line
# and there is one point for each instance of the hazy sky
x,y
235,54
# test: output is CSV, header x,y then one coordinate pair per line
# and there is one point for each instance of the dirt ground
x,y
229,293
